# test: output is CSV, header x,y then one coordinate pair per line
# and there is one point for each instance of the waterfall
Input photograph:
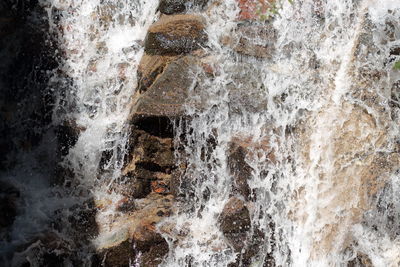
x,y
287,146
98,48
326,118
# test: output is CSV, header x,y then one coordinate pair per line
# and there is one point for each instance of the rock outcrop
x,y
164,90
175,35
150,179
134,237
170,7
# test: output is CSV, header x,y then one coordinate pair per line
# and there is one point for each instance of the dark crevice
x,y
146,82
156,126
153,167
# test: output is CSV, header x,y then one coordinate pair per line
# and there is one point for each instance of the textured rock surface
x,y
150,67
168,92
241,149
235,217
179,6
252,40
134,237
174,35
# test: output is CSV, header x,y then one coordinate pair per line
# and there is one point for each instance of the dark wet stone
x,y
174,35
170,7
240,170
155,255
167,95
235,217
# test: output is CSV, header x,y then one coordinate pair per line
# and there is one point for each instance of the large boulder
x,y
168,93
174,35
170,7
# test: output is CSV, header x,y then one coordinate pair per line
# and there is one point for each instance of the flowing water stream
x,y
319,115
325,103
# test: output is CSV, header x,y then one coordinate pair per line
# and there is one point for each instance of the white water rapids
x,y
325,104
333,128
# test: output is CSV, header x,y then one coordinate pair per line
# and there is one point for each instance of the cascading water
x,y
329,117
99,45
314,113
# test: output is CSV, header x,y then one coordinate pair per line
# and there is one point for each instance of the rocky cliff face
x,y
151,178
245,143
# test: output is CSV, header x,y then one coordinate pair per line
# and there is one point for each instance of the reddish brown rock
x,y
235,223
240,170
149,149
155,255
360,260
174,35
253,9
236,227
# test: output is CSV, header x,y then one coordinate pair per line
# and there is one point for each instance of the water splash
x,y
327,120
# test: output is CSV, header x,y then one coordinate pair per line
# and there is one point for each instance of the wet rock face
x,y
240,170
170,7
235,224
167,94
174,35
134,237
153,151
151,66
360,260
247,93
241,149
252,40
235,217
150,180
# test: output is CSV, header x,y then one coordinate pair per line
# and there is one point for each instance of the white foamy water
x,y
324,105
329,121
102,43
99,46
